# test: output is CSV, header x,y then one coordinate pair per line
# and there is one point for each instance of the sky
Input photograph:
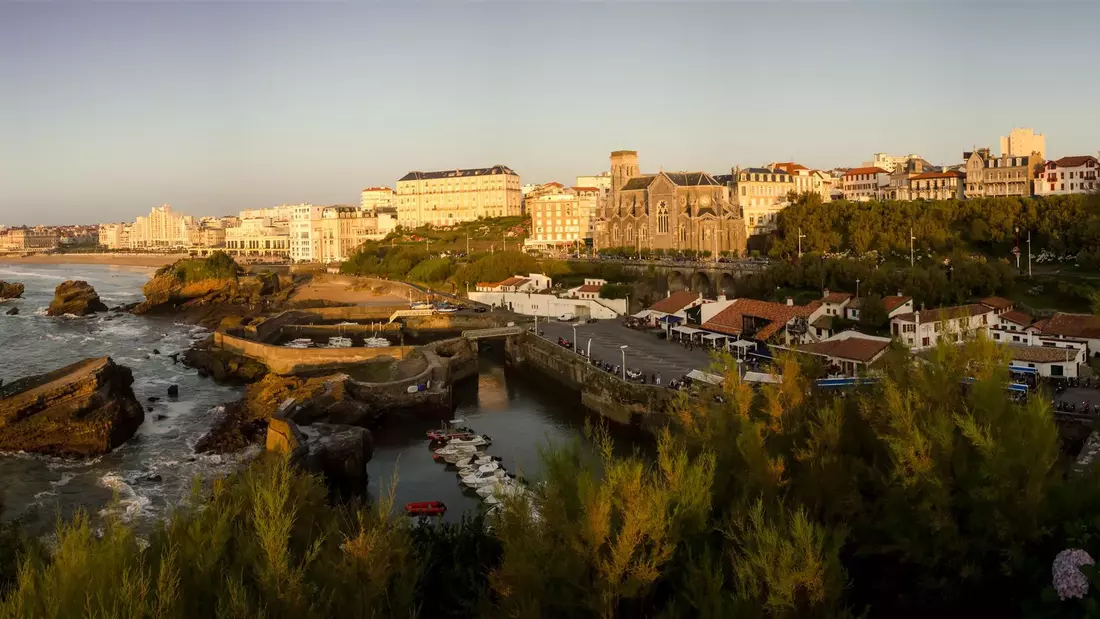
x,y
108,109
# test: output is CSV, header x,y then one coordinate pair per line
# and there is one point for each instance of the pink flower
x,y
1069,582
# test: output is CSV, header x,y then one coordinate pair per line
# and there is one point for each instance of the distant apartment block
x,y
1022,142
305,233
448,197
562,216
274,213
115,236
950,185
993,177
258,237
890,163
343,229
602,182
760,193
864,184
806,180
1068,175
162,228
375,200
28,239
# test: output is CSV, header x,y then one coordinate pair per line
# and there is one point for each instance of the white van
x,y
567,317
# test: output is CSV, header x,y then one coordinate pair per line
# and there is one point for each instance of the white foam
x,y
129,503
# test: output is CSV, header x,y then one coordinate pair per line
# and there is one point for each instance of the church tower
x,y
624,164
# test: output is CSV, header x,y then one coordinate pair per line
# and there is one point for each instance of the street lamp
x,y
623,350
800,237
911,239
857,287
574,337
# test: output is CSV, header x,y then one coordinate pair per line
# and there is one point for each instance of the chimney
x,y
825,293
790,301
899,292
721,297
669,293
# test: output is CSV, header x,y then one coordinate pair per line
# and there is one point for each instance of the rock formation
x,y
340,453
223,366
84,409
13,311
10,290
75,297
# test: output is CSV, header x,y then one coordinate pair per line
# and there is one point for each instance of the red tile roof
x,y
1074,161
675,302
858,349
928,175
1000,303
511,281
945,313
870,170
1017,317
585,188
836,297
1041,354
790,167
730,320
893,302
1070,325
589,288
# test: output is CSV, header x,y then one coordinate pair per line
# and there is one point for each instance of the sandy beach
x,y
130,260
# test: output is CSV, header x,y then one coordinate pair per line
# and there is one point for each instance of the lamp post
x,y
857,287
912,238
800,237
574,337
467,243
588,354
1029,253
623,350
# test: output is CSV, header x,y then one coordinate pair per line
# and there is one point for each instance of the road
x,y
644,351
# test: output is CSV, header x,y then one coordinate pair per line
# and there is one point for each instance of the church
x,y
668,210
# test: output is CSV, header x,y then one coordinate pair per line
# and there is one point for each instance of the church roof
x,y
639,182
691,178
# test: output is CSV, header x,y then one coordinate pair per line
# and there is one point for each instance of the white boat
x,y
465,451
376,342
478,460
422,306
481,479
302,342
505,487
347,324
477,441
446,310
339,341
466,471
456,455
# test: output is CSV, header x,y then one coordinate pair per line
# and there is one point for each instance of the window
x,y
662,217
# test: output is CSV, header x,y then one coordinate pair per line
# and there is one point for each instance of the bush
x,y
218,265
614,291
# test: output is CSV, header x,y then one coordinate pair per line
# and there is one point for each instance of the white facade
x,y
378,199
601,182
550,306
920,330
1068,175
274,213
260,237
115,236
162,228
1023,141
888,162
305,232
864,184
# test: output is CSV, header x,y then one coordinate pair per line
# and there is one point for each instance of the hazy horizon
x,y
111,109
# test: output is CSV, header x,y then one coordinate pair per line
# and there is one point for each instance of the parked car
x,y
567,317
479,310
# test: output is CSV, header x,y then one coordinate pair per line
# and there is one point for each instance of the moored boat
x,y
425,508
481,479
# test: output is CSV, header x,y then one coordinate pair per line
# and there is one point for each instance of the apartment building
x,y
864,184
343,229
923,329
1007,175
449,197
1076,174
305,234
1022,142
561,216
29,239
162,228
760,193
208,236
375,200
889,163
115,236
602,182
806,180
950,185
274,213
258,237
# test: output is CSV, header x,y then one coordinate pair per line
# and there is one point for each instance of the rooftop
x,y
730,320
589,288
1074,161
854,348
945,313
1071,325
497,169
836,297
867,170
1040,354
931,175
1017,317
1000,303
675,302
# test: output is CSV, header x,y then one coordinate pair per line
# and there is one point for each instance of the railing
x,y
476,334
410,312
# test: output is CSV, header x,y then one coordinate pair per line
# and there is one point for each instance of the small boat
x,y
466,471
481,479
478,459
347,324
452,455
450,429
376,342
477,440
425,508
446,310
339,341
421,306
302,342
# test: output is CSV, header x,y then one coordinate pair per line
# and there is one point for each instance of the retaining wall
x,y
284,361
629,403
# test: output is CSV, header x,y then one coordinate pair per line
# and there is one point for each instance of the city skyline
x,y
215,108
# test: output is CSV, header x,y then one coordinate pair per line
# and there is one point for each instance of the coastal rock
x,y
173,391
245,421
84,409
13,311
10,290
340,453
75,297
223,366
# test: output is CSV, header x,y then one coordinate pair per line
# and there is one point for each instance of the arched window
x,y
662,217
683,234
615,232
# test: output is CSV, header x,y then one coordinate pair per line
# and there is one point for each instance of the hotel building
x,y
377,199
1068,175
563,216
161,229
305,233
863,184
343,229
448,197
258,237
1007,175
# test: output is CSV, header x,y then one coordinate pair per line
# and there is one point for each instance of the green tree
x,y
872,313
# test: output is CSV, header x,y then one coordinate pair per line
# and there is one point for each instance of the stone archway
x,y
700,282
727,285
677,282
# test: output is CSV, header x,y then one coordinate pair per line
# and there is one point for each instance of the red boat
x,y
439,437
425,508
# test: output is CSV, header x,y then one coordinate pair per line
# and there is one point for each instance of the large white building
x,y
375,200
448,197
599,181
162,228
562,216
864,184
115,236
258,237
1023,142
274,213
305,232
890,163
920,330
1068,175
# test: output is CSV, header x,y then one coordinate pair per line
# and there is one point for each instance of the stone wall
x,y
456,322
286,361
628,403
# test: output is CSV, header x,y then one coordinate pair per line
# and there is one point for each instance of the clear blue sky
x,y
108,109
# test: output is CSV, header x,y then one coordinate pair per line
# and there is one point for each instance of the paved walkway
x,y
644,351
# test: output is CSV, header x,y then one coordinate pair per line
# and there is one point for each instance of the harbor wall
x,y
285,361
647,406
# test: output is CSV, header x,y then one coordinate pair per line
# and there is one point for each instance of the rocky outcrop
x,y
223,366
12,312
84,409
10,290
77,298
338,452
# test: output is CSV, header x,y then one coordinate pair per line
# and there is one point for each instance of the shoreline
x,y
130,260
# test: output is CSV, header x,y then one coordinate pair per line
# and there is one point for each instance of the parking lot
x,y
645,352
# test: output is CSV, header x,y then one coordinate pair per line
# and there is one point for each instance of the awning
x,y
704,377
670,319
1022,370
644,314
714,336
761,377
743,344
686,330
